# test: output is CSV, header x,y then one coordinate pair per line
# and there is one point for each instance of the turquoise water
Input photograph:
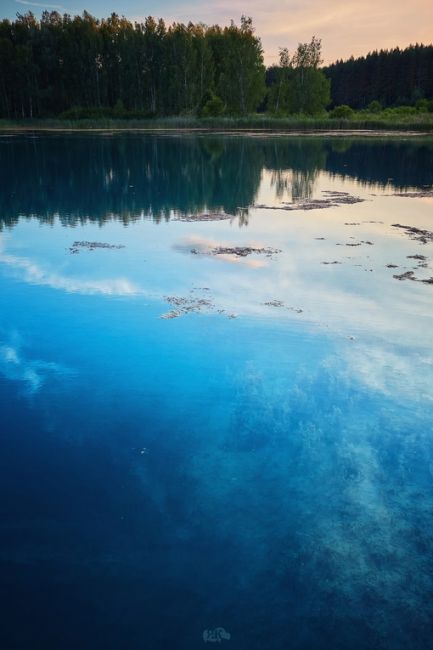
x,y
216,398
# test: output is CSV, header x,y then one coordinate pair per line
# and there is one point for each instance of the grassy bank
x,y
420,122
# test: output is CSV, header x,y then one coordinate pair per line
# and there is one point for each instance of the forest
x,y
61,63
80,66
390,77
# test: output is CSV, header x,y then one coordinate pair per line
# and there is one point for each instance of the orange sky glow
x,y
348,28
351,27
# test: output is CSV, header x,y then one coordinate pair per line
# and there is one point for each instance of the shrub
x,y
374,107
404,110
211,106
424,105
342,112
119,109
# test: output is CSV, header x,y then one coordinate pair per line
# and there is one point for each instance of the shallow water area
x,y
216,384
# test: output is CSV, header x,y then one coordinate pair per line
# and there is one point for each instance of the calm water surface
x,y
220,415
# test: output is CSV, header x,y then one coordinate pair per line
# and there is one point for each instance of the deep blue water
x,y
262,468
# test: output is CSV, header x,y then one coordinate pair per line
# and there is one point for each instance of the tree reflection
x,y
127,177
298,185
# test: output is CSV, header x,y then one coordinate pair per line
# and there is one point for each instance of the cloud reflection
x,y
197,244
33,373
33,273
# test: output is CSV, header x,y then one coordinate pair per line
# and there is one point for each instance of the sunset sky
x,y
346,27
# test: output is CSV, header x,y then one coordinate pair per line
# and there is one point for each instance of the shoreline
x,y
234,131
249,125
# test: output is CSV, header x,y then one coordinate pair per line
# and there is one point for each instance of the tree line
x,y
54,64
80,66
391,77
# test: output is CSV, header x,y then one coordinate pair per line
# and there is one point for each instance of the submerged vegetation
x,y
77,68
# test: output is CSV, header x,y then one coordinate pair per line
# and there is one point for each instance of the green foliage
x,y
342,112
421,105
299,86
401,110
211,105
241,83
308,55
117,69
280,94
374,107
311,91
424,105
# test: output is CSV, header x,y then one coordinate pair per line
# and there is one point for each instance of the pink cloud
x,y
346,28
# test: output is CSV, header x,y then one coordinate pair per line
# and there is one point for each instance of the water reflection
x,y
126,177
268,473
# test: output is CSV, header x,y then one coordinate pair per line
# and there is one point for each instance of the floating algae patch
x,y
182,306
410,275
204,216
281,304
92,245
190,304
368,243
274,303
332,200
197,245
244,251
417,234
407,275
342,198
237,251
422,261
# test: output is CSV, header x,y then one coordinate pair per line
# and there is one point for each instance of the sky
x,y
351,27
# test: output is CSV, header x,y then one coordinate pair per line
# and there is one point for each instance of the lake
x,y
216,391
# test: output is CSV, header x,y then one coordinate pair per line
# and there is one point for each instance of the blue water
x,y
262,468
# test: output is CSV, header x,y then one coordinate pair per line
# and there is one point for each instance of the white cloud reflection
x,y
34,273
204,246
382,327
33,373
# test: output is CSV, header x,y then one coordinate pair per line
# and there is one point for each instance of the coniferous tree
x,y
391,77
